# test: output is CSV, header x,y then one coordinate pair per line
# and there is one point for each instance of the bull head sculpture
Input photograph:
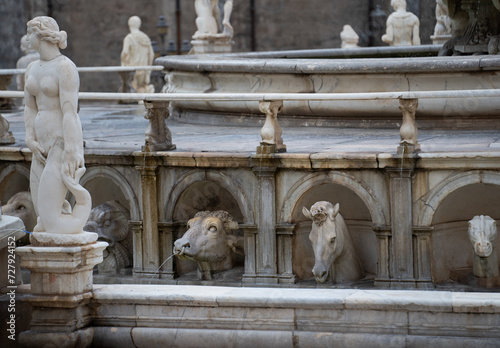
x,y
208,242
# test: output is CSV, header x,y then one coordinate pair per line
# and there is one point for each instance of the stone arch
x,y
120,181
6,173
219,178
449,185
379,217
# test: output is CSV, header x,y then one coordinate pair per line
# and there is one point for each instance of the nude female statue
x,y
54,132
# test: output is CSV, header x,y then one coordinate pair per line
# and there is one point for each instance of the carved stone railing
x,y
159,138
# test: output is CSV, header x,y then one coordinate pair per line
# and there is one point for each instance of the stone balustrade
x,y
159,138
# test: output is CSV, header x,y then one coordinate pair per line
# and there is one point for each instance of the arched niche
x,y
358,220
107,184
451,248
205,195
201,196
14,178
177,209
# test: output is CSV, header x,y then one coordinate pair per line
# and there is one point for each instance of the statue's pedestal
x,y
61,286
440,39
211,45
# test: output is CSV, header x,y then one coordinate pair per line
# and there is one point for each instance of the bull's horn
x,y
307,213
231,225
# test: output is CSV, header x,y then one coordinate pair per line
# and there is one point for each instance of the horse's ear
x,y
335,211
307,213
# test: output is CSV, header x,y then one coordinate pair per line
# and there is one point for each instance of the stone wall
x,y
96,28
10,32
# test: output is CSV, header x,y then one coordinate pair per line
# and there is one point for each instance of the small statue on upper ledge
x,y
54,132
402,28
23,62
207,38
349,37
137,51
442,30
208,19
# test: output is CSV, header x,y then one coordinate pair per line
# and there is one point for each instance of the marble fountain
x,y
405,141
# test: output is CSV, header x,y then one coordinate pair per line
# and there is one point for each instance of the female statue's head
x,y
46,29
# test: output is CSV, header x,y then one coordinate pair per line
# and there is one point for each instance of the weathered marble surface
x,y
354,318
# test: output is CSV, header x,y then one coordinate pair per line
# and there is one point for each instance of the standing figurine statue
x,y
138,51
443,22
23,62
402,28
349,37
208,19
54,132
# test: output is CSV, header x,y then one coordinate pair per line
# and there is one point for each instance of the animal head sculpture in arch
x,y
378,213
119,180
335,256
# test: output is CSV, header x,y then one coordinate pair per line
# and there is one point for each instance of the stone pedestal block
x,y
61,287
214,45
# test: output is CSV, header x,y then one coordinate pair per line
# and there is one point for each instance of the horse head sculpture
x,y
334,252
482,234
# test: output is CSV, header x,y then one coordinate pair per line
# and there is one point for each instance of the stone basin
x,y
361,70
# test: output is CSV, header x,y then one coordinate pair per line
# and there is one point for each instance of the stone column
x,y
285,234
61,268
137,241
150,236
402,275
266,224
383,277
158,136
422,251
166,250
250,235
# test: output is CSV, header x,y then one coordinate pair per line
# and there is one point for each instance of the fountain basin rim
x,y
330,62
